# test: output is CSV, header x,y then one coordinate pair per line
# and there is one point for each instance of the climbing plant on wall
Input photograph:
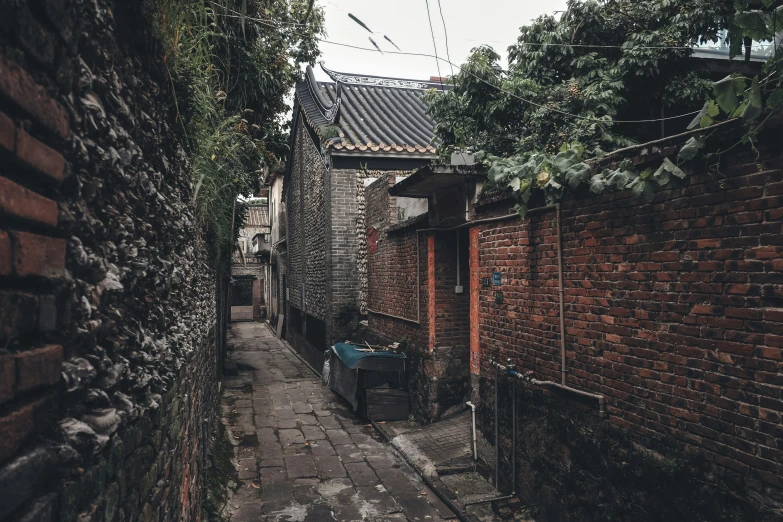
x,y
601,76
231,64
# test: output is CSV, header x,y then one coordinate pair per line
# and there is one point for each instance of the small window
x,y
266,238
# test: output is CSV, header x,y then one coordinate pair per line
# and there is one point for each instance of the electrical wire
x,y
529,102
434,45
278,24
446,35
539,105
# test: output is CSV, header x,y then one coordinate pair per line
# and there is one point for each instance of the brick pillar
x,y
475,362
431,289
32,259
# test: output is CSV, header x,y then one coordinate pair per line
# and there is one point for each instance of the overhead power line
x,y
446,35
525,100
434,45
530,102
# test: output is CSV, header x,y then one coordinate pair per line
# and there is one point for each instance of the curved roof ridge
x,y
371,114
380,81
326,107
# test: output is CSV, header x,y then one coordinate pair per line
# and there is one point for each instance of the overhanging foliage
x,y
601,76
232,62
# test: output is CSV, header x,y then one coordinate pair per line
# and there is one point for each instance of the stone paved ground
x,y
301,455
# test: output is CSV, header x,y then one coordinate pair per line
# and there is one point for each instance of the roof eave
x,y
371,154
427,180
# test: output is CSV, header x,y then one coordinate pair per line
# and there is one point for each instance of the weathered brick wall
x,y
281,279
438,357
452,326
343,254
295,240
672,312
106,302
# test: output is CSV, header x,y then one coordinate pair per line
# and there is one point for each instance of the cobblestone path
x,y
301,454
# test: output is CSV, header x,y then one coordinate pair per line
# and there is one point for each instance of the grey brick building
x,y
345,133
250,265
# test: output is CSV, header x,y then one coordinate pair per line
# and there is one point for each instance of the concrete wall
x,y
109,357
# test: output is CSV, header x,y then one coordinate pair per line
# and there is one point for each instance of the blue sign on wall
x,y
496,278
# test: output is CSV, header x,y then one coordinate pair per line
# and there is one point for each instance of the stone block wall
x,y
294,207
106,301
672,312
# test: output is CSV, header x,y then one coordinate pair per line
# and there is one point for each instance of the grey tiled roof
x,y
373,114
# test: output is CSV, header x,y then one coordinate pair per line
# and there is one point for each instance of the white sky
x,y
469,23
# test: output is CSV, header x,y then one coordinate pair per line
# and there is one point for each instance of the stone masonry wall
x,y
307,225
307,207
295,233
673,313
108,345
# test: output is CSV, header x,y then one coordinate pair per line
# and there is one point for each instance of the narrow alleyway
x,y
300,452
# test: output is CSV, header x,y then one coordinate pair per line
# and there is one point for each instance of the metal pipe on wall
x,y
497,432
473,429
513,435
562,299
458,258
600,398
510,370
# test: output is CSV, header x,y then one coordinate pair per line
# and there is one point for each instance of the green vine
x,y
231,64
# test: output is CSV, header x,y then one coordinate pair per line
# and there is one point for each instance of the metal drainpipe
x,y
560,292
497,433
511,369
473,429
600,398
458,258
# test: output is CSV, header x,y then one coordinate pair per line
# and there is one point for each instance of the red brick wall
x,y
32,257
452,327
673,311
438,345
391,270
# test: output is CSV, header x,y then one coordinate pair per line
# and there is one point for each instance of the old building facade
x,y
344,133
250,264
648,335
277,255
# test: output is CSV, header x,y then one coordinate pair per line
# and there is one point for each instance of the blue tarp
x,y
350,355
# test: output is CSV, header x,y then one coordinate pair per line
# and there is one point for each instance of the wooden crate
x,y
386,404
